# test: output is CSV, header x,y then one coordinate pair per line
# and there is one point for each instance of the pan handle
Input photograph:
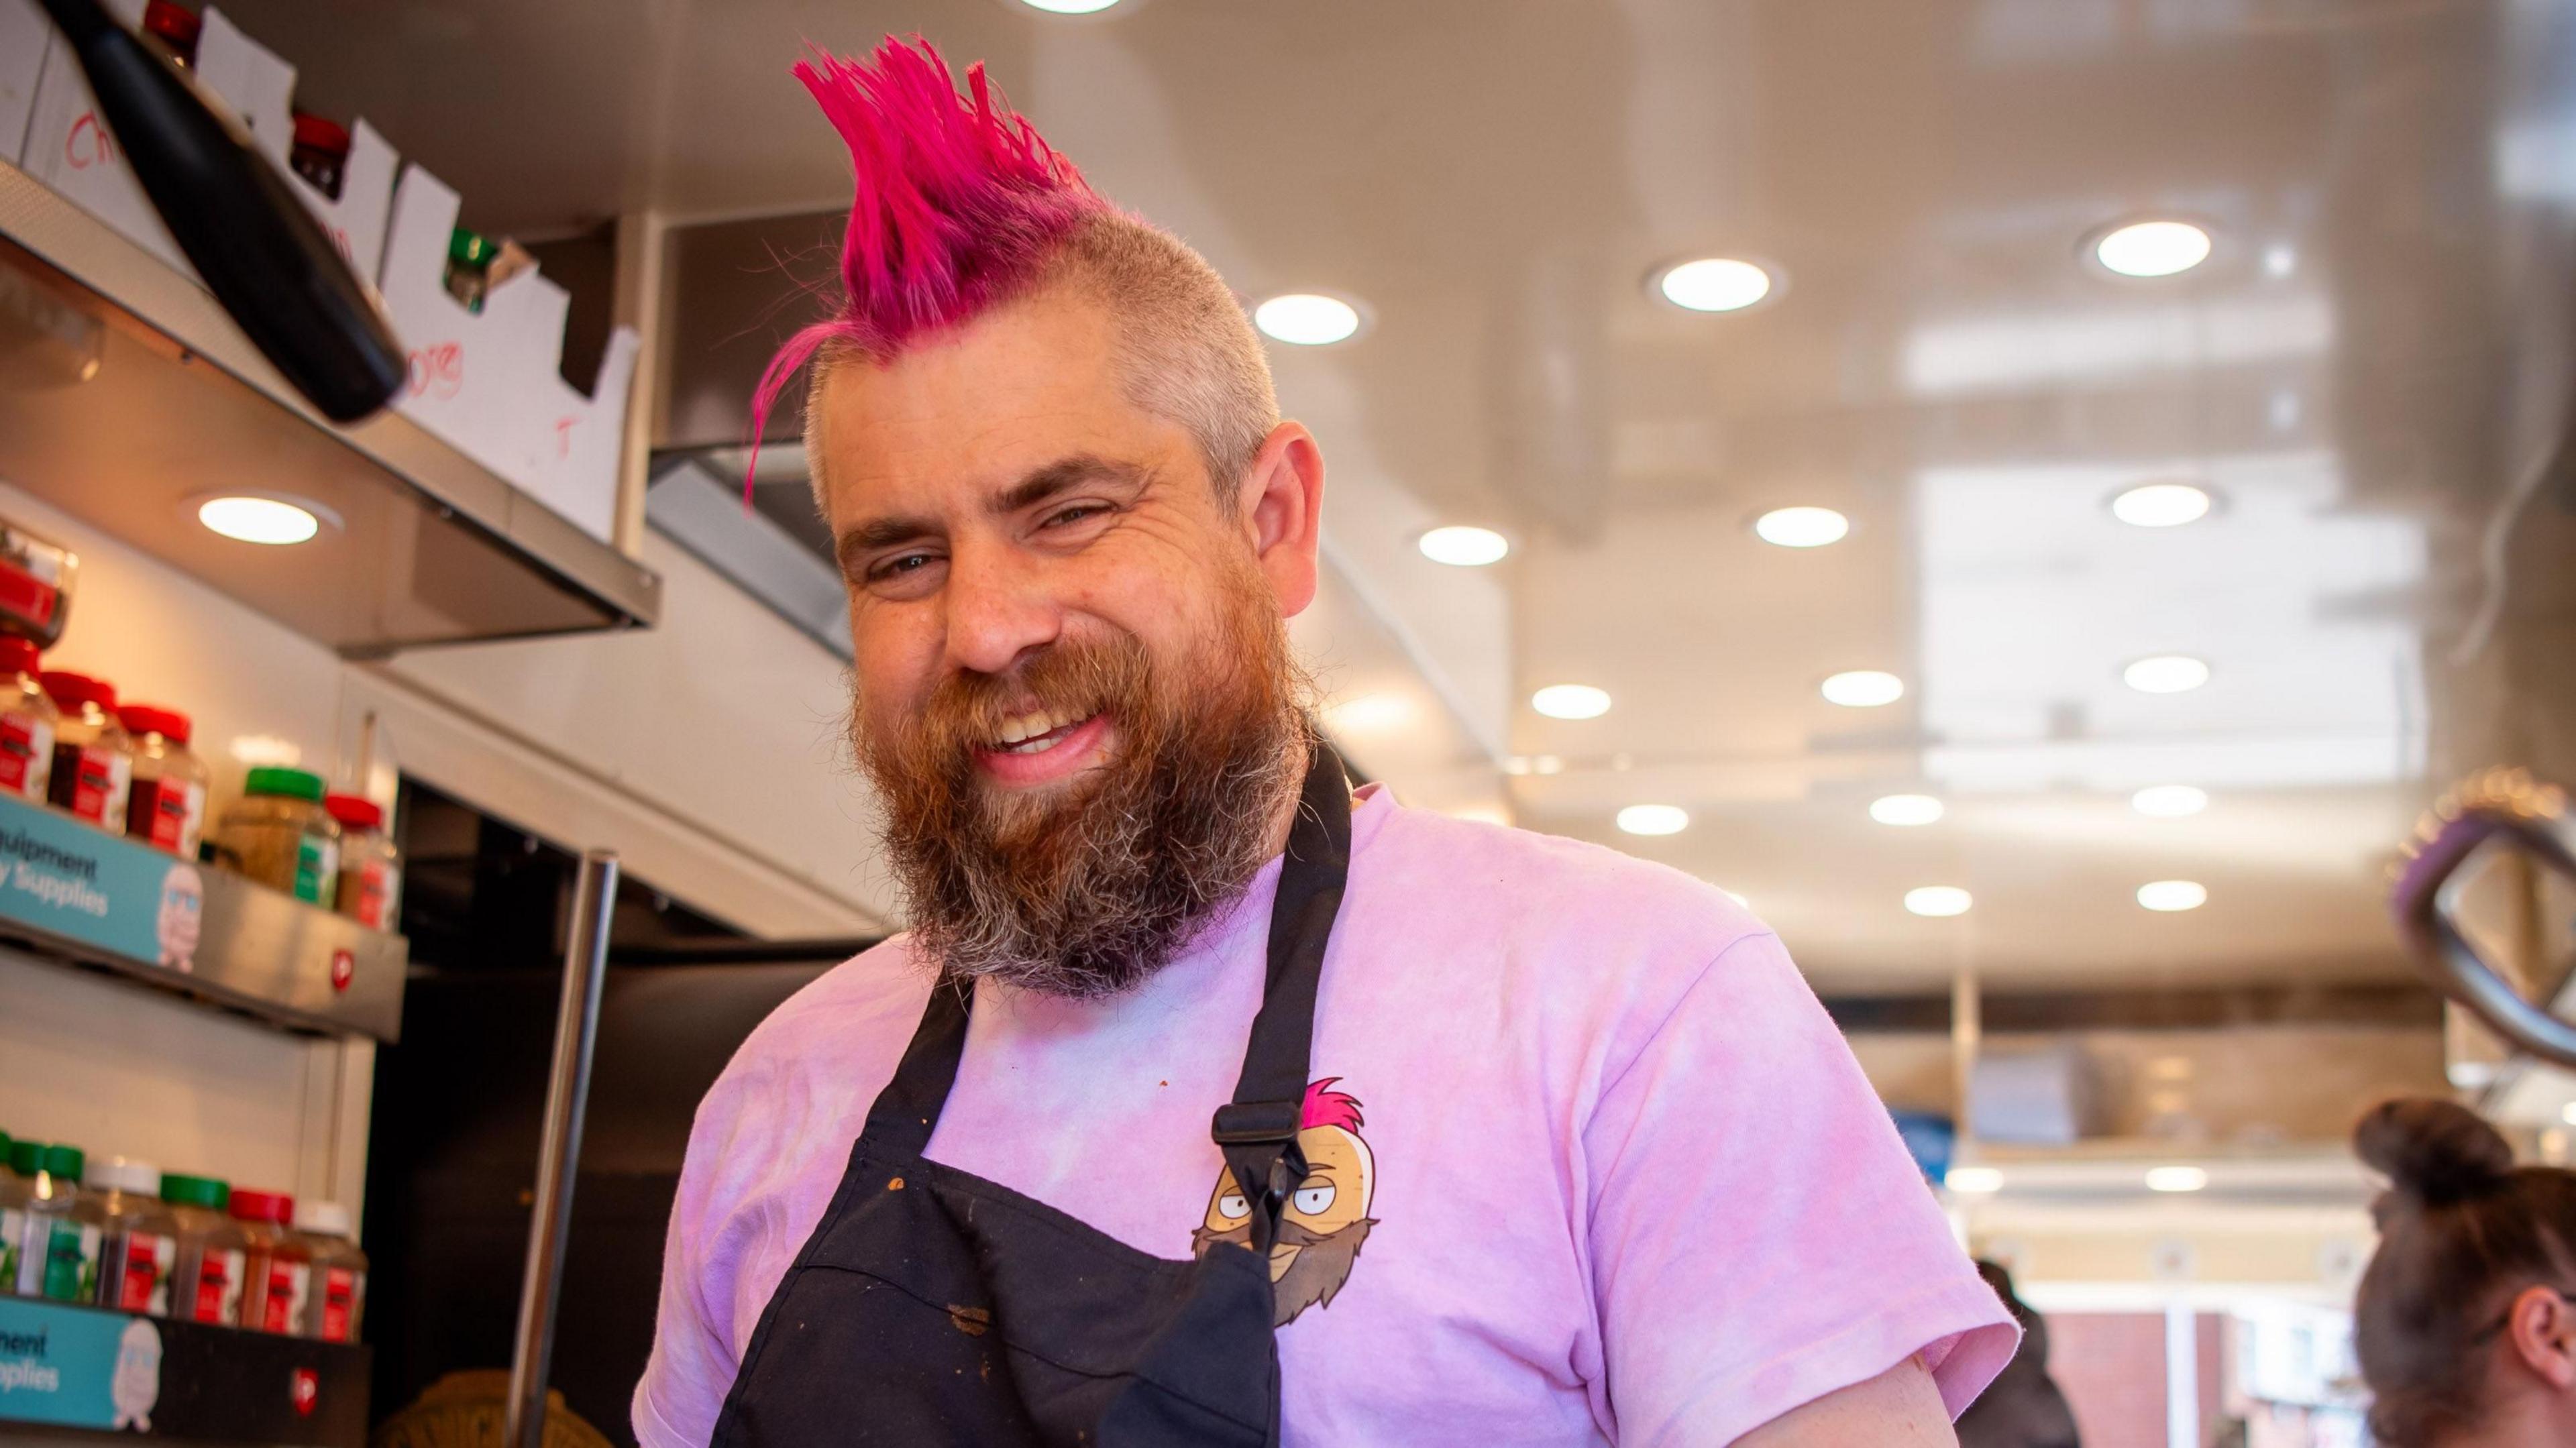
x,y
2506,808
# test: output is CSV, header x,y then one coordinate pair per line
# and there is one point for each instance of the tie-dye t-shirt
x,y
1590,1163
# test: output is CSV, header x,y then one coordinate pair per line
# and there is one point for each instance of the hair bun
x,y
2437,1152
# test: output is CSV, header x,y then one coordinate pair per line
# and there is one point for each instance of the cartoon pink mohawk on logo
x,y
958,200
1328,1108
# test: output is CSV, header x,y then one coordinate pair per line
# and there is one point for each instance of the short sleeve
x,y
693,1362
1760,1237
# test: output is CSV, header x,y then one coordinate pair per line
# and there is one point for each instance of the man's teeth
x,y
1027,734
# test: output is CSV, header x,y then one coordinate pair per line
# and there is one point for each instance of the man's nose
x,y
997,610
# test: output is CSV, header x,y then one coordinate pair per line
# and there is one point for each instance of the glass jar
x,y
279,835
321,153
13,1204
27,719
141,1242
93,760
339,1272
58,1252
213,1250
370,866
469,263
166,808
277,1267
175,26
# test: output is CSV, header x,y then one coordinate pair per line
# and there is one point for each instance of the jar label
x,y
26,755
13,1225
142,1279
340,1287
92,783
168,814
317,870
282,1301
71,1263
219,1283
376,882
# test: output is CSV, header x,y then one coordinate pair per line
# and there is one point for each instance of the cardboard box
x,y
24,36
259,87
68,148
491,382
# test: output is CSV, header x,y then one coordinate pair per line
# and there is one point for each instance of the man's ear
x,y
2542,1327
1281,503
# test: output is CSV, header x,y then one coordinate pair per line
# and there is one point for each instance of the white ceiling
x,y
2371,356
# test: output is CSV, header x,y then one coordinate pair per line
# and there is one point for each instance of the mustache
x,y
966,711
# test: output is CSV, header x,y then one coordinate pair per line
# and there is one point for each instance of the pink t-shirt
x,y
1626,1183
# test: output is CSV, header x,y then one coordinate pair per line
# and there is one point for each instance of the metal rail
x,y
2505,809
567,1092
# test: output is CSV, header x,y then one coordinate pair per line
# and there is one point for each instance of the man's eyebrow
x,y
1063,475
881,533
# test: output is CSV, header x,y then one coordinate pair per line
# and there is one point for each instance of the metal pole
x,y
567,1091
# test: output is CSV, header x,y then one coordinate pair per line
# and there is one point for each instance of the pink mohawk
x,y
1329,1108
957,202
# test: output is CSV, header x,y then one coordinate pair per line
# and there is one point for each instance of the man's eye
x,y
896,567
1074,514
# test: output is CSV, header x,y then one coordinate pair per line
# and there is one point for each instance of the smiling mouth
x,y
1038,732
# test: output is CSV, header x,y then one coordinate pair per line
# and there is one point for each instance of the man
x,y
1528,1142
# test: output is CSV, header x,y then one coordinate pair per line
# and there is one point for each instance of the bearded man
x,y
1620,1182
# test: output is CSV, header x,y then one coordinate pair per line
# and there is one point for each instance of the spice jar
x,y
339,1272
58,1251
321,152
167,806
277,1268
27,719
279,835
213,1250
93,760
370,867
140,1242
17,1165
469,260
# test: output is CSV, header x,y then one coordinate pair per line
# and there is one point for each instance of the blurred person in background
x,y
2022,1407
2466,1320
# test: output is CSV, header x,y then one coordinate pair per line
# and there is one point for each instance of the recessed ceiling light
x,y
2160,505
1571,701
2567,1113
1307,319
1714,284
1974,1180
1938,900
2170,895
1462,546
2280,259
1069,7
2169,801
259,520
1863,689
1905,809
2166,674
1801,527
1654,819
2152,248
2176,1179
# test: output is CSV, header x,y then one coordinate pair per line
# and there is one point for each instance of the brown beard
x,y
1316,1276
1096,885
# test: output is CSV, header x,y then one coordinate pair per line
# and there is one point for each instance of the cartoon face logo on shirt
x,y
1326,1219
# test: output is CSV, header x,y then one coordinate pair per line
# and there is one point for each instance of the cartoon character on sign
x,y
136,1385
1326,1219
183,911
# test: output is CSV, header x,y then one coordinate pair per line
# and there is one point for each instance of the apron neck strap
x,y
1257,1130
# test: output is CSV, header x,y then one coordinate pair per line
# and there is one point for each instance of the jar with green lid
x,y
13,1204
279,834
469,267
58,1250
206,1282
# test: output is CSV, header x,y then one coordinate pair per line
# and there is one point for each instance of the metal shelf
x,y
176,404
153,1378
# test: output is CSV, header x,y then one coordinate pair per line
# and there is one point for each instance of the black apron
x,y
934,1307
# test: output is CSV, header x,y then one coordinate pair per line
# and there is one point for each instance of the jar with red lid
x,y
27,720
370,866
277,1272
93,758
321,154
167,806
175,26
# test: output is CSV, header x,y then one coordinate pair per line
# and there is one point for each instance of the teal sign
x,y
84,884
75,1368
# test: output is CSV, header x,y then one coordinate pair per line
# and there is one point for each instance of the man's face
x,y
1072,685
